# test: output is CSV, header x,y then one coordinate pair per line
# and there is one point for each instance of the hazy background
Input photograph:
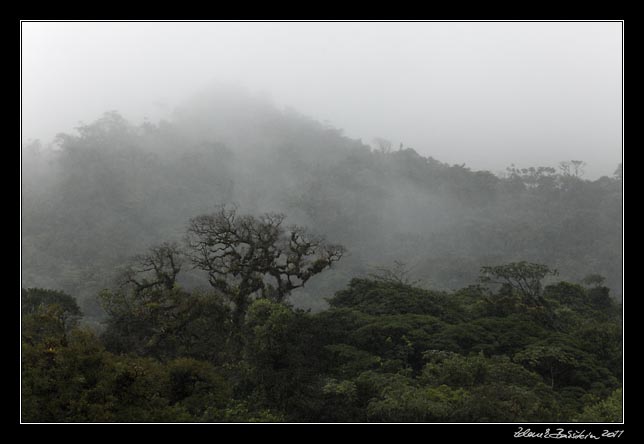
x,y
484,94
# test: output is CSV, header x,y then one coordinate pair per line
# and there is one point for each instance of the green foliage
x,y
80,382
509,367
281,359
384,352
600,299
571,295
47,317
399,338
167,323
523,349
240,412
346,361
606,410
196,386
510,403
405,403
602,340
34,299
387,297
549,360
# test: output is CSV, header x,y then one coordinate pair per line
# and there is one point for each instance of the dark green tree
x,y
606,410
549,360
149,314
48,314
34,299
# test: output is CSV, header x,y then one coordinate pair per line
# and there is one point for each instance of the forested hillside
x,y
238,263
115,188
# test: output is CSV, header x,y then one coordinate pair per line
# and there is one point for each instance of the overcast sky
x,y
483,94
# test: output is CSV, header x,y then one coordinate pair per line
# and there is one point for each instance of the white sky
x,y
484,94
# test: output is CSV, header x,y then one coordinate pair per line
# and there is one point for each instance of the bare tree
x,y
157,269
397,274
248,257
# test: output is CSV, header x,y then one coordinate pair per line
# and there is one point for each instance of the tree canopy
x,y
384,351
161,282
248,257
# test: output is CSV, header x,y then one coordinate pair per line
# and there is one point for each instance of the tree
x,y
398,274
196,386
33,299
48,313
383,145
249,257
151,315
281,362
594,280
574,168
523,277
533,177
549,360
607,410
158,269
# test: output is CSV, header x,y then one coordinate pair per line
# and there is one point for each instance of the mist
x,y
321,222
484,94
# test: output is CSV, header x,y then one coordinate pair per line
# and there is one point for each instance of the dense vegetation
x,y
180,291
384,351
